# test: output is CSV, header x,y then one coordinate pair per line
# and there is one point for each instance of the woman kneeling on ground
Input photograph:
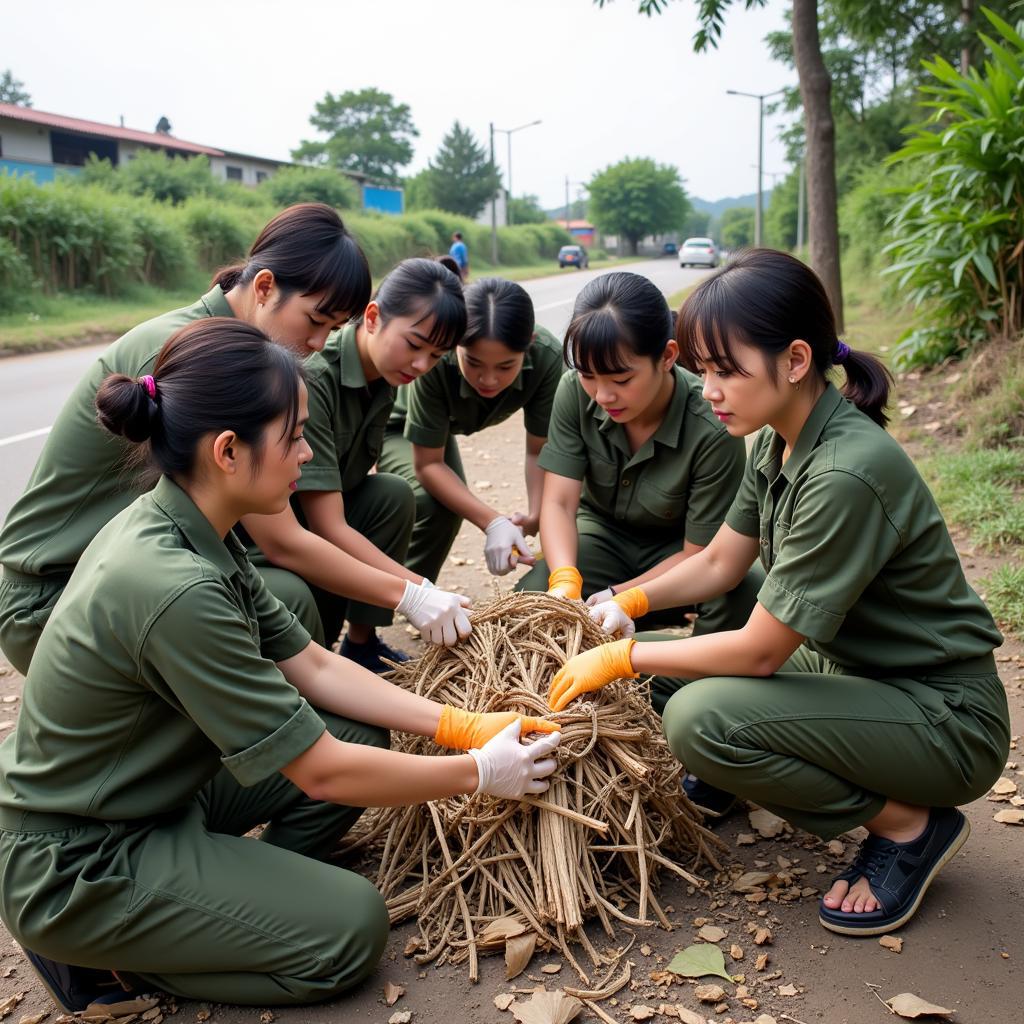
x,y
863,690
173,704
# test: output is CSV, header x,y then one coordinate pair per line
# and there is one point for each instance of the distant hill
x,y
716,206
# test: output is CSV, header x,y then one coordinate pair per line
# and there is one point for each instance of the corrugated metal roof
x,y
109,131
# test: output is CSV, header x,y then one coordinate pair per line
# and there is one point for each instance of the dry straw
x,y
592,846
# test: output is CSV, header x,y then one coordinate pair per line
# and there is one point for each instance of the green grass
x,y
1004,595
79,318
874,317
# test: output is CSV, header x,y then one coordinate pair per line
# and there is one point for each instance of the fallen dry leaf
x,y
402,1017
836,848
709,993
766,1018
645,949
891,942
746,839
1008,817
518,953
906,1004
392,993
641,1012
500,929
750,881
788,990
505,1000
763,937
547,1008
766,824
266,1017
1005,786
712,933
34,1018
736,952
411,946
688,1016
8,1005
761,962
550,968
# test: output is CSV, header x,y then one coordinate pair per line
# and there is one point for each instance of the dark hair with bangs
x,y
214,374
616,311
423,288
499,309
309,250
768,299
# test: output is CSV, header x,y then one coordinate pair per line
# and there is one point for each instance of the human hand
x,y
591,671
463,730
615,616
505,546
440,616
566,582
510,769
602,595
528,524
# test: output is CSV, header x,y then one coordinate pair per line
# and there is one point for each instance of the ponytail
x,y
868,381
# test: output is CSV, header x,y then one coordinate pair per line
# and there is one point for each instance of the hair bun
x,y
124,408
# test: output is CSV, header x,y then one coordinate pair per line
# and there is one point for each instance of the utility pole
x,y
759,209
494,211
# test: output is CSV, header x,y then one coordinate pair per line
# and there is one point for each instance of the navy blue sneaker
x,y
370,654
75,988
714,802
898,873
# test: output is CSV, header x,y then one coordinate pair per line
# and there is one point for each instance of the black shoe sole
x,y
900,919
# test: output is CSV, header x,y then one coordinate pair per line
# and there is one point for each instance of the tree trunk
x,y
815,90
966,11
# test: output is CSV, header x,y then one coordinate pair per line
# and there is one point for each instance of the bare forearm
x,y
558,537
534,486
362,548
445,486
717,654
691,580
653,573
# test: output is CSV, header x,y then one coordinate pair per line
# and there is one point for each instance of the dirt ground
x,y
963,950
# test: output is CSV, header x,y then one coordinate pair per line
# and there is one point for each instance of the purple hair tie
x,y
842,351
150,385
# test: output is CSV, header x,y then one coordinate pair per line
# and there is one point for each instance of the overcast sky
x,y
245,75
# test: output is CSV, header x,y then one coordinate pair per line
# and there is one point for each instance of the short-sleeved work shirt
x,y
442,402
682,480
81,481
858,557
347,416
156,669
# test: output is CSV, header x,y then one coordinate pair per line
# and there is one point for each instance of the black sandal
x,y
898,873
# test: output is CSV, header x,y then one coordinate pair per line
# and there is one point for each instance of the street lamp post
x,y
509,132
760,97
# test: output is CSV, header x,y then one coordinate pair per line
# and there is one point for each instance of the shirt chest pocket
x,y
662,508
602,478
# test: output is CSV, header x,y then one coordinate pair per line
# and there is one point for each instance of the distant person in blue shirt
x,y
460,254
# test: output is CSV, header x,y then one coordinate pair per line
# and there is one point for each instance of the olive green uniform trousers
x,y
191,907
609,553
436,525
381,508
825,749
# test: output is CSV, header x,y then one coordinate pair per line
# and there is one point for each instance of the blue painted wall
x,y
384,200
43,173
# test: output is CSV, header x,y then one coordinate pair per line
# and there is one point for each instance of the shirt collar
x,y
823,411
349,363
216,302
225,554
668,432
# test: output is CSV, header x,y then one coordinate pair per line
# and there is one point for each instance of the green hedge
x,y
68,236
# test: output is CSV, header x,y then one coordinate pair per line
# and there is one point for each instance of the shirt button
x,y
626,481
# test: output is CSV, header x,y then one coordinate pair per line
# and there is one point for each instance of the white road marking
x,y
27,436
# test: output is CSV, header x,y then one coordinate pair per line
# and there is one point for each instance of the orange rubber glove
x,y
470,730
566,582
590,671
633,602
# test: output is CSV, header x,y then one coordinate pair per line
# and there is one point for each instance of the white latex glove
x,y
439,615
612,619
505,546
601,595
511,769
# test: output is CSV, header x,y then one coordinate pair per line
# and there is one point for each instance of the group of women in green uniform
x,y
209,511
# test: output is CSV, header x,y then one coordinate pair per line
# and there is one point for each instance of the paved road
x,y
33,388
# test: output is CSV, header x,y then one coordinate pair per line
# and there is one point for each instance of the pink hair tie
x,y
150,385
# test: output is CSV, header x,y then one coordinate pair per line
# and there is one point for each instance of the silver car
x,y
698,252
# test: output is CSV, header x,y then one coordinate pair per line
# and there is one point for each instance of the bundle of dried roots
x,y
478,873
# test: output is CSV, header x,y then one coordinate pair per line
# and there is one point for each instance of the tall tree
x,y
815,88
461,177
12,91
367,132
736,228
635,198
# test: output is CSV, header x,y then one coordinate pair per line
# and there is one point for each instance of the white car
x,y
698,252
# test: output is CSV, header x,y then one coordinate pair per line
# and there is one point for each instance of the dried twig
x,y
592,846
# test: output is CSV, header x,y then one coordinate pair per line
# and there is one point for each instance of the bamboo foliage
x,y
959,234
593,846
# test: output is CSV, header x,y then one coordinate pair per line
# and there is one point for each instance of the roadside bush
x,y
311,185
167,256
150,172
959,233
221,233
15,277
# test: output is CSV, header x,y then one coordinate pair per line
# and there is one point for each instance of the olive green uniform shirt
x,y
347,416
81,481
442,402
681,480
156,670
858,556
